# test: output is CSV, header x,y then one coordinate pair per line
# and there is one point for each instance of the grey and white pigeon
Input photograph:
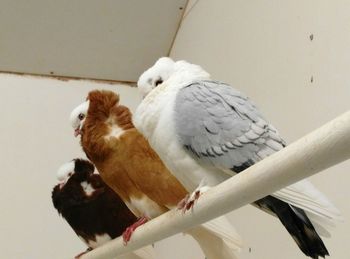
x,y
206,131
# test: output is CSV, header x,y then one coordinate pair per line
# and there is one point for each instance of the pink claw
x,y
130,230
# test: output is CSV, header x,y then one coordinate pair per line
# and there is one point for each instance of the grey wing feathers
x,y
220,126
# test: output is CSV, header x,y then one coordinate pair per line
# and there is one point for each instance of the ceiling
x,y
106,39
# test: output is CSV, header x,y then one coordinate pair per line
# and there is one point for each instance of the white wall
x,y
35,140
261,47
264,49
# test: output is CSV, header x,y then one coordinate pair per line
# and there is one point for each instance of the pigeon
x,y
93,210
205,131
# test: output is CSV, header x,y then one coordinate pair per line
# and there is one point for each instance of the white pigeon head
x,y
77,117
155,75
65,172
165,70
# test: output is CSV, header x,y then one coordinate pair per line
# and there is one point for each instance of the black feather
x,y
294,220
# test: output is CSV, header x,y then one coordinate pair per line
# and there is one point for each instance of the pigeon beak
x,y
77,132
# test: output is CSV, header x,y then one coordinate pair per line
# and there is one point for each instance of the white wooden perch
x,y
311,154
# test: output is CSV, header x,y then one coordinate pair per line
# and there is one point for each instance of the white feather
x,y
114,131
305,196
213,246
64,170
99,240
222,228
88,189
144,206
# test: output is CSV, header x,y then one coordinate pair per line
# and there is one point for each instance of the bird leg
x,y
188,202
79,255
129,230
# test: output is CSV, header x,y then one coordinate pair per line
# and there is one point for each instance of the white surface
x,y
263,48
106,39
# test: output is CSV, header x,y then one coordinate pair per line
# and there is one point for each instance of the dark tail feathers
x,y
297,224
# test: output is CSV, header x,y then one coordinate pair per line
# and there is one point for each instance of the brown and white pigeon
x,y
131,168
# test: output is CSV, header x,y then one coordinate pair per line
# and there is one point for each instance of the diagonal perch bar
x,y
322,148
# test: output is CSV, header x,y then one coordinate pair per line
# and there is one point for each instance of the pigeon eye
x,y
81,116
158,82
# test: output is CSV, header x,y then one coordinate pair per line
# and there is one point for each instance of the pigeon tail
x,y
294,220
297,224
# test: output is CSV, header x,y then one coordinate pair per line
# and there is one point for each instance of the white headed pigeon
x,y
93,210
206,131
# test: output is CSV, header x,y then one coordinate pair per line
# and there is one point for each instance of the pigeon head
x,y
155,75
77,168
77,117
164,70
65,172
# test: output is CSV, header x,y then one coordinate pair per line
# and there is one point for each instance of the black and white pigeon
x,y
93,210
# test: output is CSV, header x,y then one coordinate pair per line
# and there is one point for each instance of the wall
x,y
292,58
261,47
35,140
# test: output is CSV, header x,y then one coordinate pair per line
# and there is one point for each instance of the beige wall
x,y
35,140
264,49
261,47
